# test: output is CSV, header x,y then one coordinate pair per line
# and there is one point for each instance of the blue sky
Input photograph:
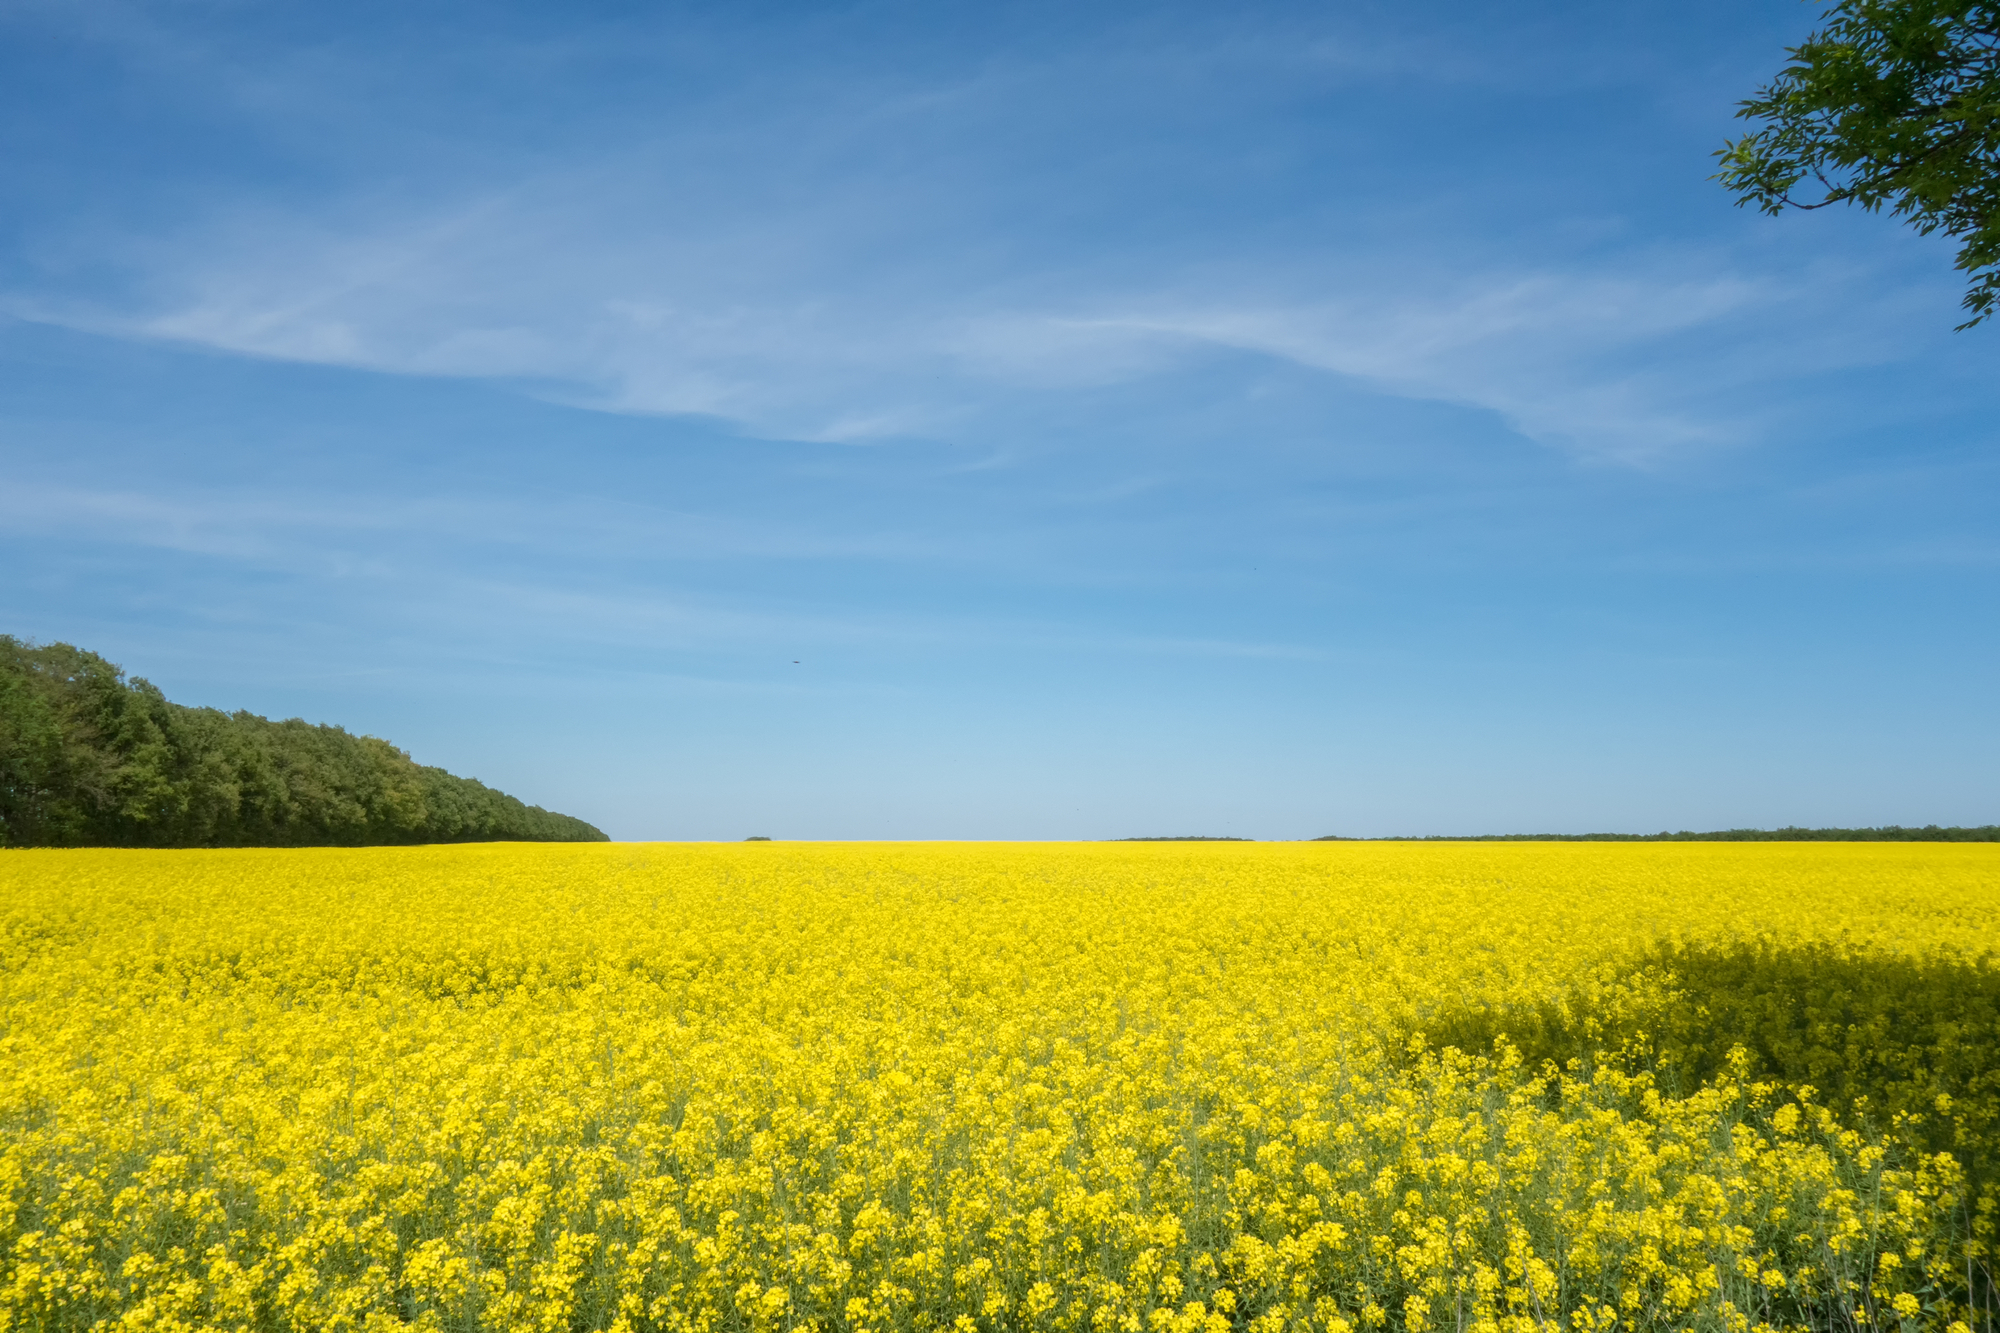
x,y
940,420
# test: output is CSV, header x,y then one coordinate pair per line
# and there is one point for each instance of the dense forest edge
x,y
89,758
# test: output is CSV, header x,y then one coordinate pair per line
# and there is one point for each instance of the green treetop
x,y
1892,103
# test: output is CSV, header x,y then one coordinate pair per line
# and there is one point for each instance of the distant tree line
x,y
91,759
1887,833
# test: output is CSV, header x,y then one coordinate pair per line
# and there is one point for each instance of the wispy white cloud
x,y
872,256
1560,356
841,347
281,528
373,552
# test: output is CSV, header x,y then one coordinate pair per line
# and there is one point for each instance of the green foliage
x,y
88,758
1893,102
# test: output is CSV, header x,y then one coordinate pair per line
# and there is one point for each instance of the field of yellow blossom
x,y
1461,1087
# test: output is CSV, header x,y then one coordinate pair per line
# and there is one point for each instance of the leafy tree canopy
x,y
1892,103
89,758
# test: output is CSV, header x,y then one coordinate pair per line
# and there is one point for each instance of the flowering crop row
x,y
1111,1087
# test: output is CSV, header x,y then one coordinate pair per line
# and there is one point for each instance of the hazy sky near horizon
x,y
1028,420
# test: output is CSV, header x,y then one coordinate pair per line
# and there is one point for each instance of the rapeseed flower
x,y
1146,1088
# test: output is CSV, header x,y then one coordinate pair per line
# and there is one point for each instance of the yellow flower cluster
x,y
1148,1088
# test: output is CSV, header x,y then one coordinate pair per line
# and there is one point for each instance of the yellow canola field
x,y
948,1086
